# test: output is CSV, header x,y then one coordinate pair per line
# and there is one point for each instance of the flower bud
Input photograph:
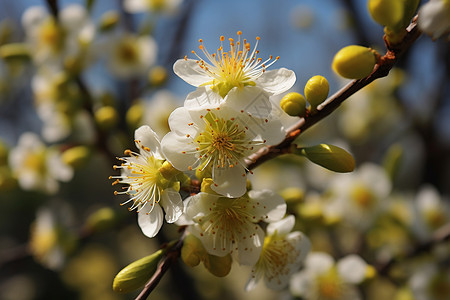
x,y
292,195
157,76
386,12
134,115
192,252
109,20
330,157
316,90
15,51
106,117
137,273
100,220
354,62
76,157
219,266
294,104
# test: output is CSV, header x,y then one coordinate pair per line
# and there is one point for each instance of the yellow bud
x,y
294,104
330,157
168,171
192,252
292,195
354,62
106,117
157,76
310,210
386,12
371,272
137,273
76,157
102,219
109,20
316,90
16,51
219,266
134,115
206,186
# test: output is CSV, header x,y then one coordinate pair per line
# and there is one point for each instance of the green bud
x,y
393,160
106,117
109,20
157,76
316,90
76,157
386,12
15,51
168,171
294,104
134,115
330,157
192,252
219,266
354,62
137,273
102,219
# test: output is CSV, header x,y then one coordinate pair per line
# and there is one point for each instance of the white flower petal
x,y
190,71
150,223
202,98
250,245
135,6
33,17
282,227
319,262
148,138
173,146
272,207
172,204
276,81
251,99
301,284
230,182
352,269
179,121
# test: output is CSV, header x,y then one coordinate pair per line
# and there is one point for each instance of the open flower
x,y
157,6
148,189
282,254
434,18
229,225
37,167
218,142
324,279
237,77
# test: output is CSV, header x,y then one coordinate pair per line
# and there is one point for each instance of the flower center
x,y
329,285
141,173
50,35
363,197
238,67
224,142
127,51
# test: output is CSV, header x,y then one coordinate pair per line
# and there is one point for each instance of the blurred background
x,y
71,98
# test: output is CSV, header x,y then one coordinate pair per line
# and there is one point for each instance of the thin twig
x,y
381,69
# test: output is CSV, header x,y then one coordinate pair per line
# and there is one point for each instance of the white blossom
x,y
434,18
230,225
157,6
148,189
282,255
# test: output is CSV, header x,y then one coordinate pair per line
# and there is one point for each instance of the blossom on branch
x,y
148,188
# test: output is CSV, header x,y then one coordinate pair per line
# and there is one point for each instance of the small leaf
x,y
137,273
330,157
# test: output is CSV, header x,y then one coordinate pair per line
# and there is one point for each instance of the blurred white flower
x,y
37,167
229,225
130,55
148,189
237,77
218,141
430,282
282,254
431,212
51,41
360,196
324,279
158,109
434,18
157,6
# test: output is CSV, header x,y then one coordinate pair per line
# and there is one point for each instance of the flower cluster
x,y
225,120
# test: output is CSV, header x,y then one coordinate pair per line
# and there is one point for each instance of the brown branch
x,y
163,266
439,236
381,69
